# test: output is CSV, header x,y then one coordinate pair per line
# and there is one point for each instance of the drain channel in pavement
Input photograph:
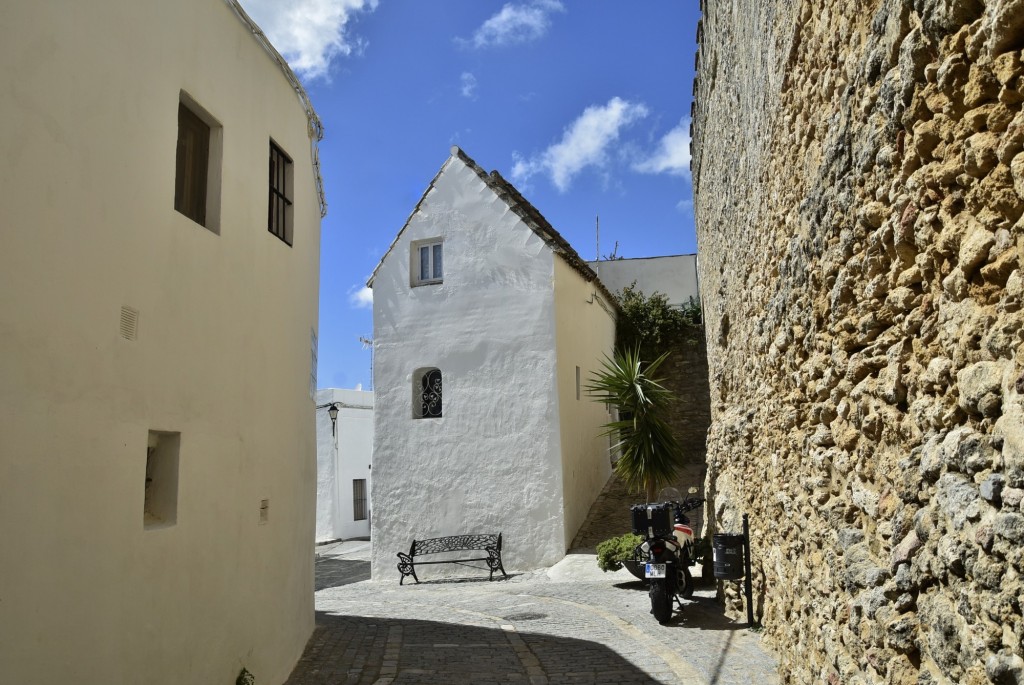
x,y
527,616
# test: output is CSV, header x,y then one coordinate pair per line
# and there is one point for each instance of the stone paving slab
x,y
568,624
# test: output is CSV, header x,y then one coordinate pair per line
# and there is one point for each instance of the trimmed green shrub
x,y
612,552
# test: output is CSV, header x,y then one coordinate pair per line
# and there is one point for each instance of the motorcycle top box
x,y
652,518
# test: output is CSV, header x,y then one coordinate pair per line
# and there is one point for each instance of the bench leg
x,y
494,563
406,567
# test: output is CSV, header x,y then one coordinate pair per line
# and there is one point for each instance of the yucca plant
x,y
649,454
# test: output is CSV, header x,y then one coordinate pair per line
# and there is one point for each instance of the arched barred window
x,y
427,393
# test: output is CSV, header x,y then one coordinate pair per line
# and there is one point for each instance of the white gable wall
x,y
492,462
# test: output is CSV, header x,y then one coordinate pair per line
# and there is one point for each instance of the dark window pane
x,y
191,165
359,499
438,273
279,204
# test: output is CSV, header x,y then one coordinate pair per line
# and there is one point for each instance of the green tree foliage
x,y
651,324
649,454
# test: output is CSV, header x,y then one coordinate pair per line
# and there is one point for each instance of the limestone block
x,y
955,555
1005,667
1007,67
943,627
1009,526
1004,24
999,119
1013,294
980,153
978,381
953,74
905,550
992,487
938,373
999,270
932,459
954,493
865,498
988,572
974,247
1012,141
1009,430
955,285
1012,497
1017,169
981,87
977,118
940,17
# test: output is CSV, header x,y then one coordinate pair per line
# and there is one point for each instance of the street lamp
x,y
333,411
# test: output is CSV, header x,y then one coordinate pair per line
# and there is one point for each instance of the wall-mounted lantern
x,y
333,411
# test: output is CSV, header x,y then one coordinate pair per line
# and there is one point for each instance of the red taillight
x,y
657,549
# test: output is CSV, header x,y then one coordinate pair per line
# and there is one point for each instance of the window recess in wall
x,y
160,508
427,394
428,262
197,164
279,213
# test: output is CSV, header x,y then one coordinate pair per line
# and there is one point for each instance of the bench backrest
x,y
456,543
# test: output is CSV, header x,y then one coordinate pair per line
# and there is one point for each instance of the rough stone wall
x,y
685,373
858,176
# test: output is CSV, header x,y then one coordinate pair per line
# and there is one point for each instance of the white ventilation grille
x,y
129,323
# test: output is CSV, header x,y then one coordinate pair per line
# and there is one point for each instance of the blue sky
x,y
582,104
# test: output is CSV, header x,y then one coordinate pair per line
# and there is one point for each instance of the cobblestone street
x,y
568,624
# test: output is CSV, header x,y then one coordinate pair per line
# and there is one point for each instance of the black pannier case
x,y
659,518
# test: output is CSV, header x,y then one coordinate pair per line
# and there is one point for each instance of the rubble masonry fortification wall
x,y
859,188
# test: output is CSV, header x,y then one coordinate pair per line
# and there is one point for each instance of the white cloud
x,y
685,206
584,143
309,33
360,297
516,23
672,155
468,85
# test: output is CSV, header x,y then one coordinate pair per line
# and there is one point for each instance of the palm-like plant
x,y
649,453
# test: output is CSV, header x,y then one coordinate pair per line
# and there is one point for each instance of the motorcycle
x,y
667,549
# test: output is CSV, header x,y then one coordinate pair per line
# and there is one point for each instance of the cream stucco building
x,y
486,326
158,313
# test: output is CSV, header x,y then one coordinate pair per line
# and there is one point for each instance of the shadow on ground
x,y
331,572
445,580
702,611
361,651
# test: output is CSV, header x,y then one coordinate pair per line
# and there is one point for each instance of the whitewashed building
x,y
674,276
158,314
344,447
486,325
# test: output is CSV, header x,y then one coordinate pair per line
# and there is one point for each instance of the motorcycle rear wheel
x,y
687,590
661,600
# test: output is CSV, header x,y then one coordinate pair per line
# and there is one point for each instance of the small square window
x,y
279,213
428,262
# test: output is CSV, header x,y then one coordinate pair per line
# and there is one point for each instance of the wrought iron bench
x,y
484,542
